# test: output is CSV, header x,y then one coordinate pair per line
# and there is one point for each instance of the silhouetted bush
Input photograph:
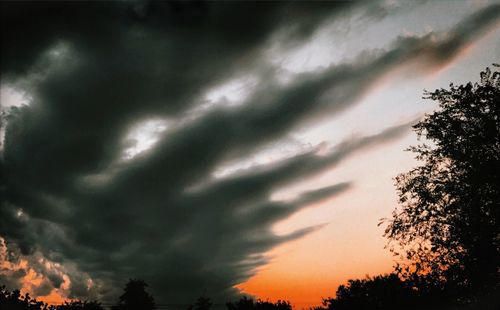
x,y
80,305
246,303
15,301
380,292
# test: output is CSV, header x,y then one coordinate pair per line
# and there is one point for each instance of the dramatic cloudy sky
x,y
215,147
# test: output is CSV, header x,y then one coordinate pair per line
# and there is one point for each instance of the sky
x,y
217,148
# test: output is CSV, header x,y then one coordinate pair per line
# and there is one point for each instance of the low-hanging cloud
x,y
162,216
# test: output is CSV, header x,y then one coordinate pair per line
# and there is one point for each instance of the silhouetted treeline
x,y
249,304
390,292
134,297
383,292
14,300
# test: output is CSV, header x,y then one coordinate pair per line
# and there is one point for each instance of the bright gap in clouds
x,y
317,54
234,92
57,58
10,98
341,39
143,137
279,151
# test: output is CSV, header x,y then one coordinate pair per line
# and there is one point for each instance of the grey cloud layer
x,y
157,60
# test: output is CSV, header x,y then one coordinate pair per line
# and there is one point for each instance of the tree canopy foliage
x,y
380,292
447,225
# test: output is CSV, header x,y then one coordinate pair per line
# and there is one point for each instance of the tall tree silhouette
x,y
447,224
135,297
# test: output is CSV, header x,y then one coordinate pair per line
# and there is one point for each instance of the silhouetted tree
x,y
15,301
380,292
246,303
80,305
202,303
135,297
447,225
279,305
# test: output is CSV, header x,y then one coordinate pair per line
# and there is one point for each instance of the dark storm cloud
x,y
12,278
162,216
43,289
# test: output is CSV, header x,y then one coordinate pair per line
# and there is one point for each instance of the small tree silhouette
x,y
244,303
202,303
135,297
